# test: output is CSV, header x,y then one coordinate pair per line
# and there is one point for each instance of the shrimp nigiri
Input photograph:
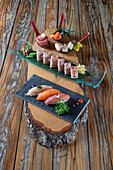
x,y
47,93
38,89
54,99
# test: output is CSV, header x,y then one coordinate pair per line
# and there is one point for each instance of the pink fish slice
x,y
54,99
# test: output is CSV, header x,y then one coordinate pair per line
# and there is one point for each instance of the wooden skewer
x,y
61,20
86,35
35,28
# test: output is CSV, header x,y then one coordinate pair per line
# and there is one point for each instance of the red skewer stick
x,y
35,28
61,20
86,35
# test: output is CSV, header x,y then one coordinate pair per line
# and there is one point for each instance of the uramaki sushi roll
x,y
39,55
53,61
74,72
67,67
61,65
46,57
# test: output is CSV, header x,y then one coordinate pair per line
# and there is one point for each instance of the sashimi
x,y
54,99
42,40
36,90
47,93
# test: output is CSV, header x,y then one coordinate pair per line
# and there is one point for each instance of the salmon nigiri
x,y
54,99
36,90
47,93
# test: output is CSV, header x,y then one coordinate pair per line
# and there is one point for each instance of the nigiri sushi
x,y
47,93
54,99
36,90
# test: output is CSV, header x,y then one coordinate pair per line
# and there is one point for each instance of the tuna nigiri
x,y
54,99
36,90
47,93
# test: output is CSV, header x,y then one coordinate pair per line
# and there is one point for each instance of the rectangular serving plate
x,y
94,74
74,112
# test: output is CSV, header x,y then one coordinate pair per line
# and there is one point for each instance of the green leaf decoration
x,y
39,87
68,31
62,107
31,55
21,53
62,29
28,47
74,42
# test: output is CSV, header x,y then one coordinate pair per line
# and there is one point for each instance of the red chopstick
x,y
35,28
61,20
86,35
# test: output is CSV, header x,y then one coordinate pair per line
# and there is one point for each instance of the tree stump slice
x,y
49,129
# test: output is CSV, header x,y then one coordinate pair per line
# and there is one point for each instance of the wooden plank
x,y
8,10
12,78
99,144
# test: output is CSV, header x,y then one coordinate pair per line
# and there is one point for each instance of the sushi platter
x,y
53,63
92,77
70,116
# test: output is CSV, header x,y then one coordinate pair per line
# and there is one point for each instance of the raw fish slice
x,y
42,40
36,90
54,99
47,93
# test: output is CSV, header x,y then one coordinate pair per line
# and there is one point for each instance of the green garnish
x,y
39,87
62,107
31,55
28,47
63,30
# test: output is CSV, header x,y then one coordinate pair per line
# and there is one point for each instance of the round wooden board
x,y
43,121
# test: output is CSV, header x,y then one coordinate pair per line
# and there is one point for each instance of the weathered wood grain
x,y
101,98
8,12
93,148
12,78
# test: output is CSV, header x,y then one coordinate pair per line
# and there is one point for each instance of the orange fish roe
x,y
81,100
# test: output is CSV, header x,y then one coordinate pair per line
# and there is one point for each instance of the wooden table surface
x,y
93,148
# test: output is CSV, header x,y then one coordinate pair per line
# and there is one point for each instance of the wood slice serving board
x,y
49,129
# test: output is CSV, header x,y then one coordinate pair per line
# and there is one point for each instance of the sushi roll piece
x,y
42,40
46,57
39,55
53,61
74,72
34,91
24,49
47,93
54,99
60,65
67,67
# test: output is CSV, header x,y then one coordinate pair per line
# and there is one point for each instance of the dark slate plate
x,y
74,112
